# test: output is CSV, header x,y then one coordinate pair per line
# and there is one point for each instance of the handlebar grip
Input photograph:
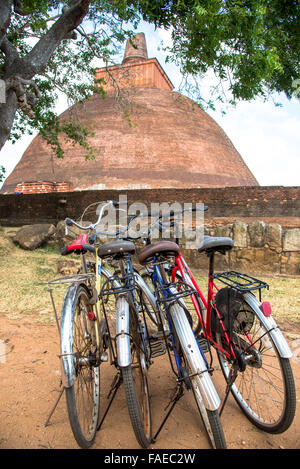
x,y
69,222
87,247
92,238
64,251
205,208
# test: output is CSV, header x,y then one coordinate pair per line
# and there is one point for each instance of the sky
x,y
267,137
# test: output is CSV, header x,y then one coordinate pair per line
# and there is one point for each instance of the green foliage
x,y
2,173
251,46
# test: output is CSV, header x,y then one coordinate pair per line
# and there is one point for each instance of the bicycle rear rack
x,y
167,296
241,282
108,287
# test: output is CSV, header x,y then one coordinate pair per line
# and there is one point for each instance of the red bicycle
x,y
252,351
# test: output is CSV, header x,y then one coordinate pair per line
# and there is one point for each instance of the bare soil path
x,y
30,378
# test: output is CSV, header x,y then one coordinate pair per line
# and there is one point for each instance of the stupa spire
x,y
136,49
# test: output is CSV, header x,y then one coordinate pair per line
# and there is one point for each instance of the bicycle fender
x,y
193,355
66,334
145,288
122,332
270,324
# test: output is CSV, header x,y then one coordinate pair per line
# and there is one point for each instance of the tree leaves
x,y
251,47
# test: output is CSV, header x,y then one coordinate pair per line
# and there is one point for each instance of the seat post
x,y
211,256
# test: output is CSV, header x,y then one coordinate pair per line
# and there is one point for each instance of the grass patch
x,y
283,294
24,276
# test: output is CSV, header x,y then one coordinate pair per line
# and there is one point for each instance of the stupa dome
x,y
152,138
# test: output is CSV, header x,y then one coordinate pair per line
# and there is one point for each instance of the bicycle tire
x,y
87,381
265,390
210,418
136,388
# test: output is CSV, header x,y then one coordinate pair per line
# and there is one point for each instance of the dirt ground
x,y
30,379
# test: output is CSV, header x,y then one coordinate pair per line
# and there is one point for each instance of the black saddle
x,y
211,244
114,248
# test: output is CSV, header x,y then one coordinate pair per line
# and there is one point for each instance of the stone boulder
x,y
59,238
273,236
256,230
291,240
223,231
68,267
240,234
32,236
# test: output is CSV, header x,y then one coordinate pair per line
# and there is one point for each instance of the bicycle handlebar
x,y
158,215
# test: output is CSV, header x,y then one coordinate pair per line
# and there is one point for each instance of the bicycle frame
x,y
189,344
209,303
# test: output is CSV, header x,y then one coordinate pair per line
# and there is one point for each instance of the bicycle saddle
x,y
116,247
168,248
210,244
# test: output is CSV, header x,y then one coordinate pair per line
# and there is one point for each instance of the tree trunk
x,y
7,115
36,60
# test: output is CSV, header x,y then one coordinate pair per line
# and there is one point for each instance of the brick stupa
x,y
148,137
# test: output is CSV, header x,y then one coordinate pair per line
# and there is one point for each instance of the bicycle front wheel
x,y
265,390
83,396
210,418
136,387
185,342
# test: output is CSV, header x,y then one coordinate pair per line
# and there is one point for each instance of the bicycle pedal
x,y
157,345
203,343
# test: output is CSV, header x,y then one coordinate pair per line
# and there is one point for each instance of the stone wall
x,y
270,204
258,248
263,221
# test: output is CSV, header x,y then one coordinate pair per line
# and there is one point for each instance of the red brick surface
x,y
42,187
164,140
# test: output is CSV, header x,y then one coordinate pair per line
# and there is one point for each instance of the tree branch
x,y
9,50
72,16
36,60
5,12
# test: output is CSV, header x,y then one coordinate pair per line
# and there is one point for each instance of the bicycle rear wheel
x,y
136,387
265,390
83,396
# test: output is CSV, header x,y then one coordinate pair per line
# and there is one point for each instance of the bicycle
x,y
88,338
252,351
191,368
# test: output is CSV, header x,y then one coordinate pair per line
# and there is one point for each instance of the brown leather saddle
x,y
166,248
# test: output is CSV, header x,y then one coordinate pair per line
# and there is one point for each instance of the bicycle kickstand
x,y
55,405
116,383
173,401
231,379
